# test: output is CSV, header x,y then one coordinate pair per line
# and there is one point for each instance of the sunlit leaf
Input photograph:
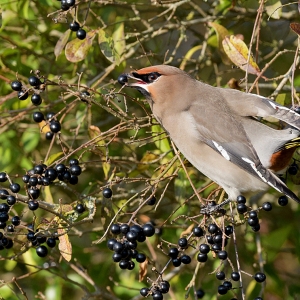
x,y
274,9
118,38
161,140
61,43
77,50
53,158
106,44
238,52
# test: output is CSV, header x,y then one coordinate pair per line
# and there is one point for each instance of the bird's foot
x,y
211,208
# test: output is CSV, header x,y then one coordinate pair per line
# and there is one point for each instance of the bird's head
x,y
154,82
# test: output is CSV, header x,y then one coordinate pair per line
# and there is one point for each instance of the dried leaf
x,y
238,52
143,270
295,27
106,44
64,246
221,32
61,43
77,50
187,231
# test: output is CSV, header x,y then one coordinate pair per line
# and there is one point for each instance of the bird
x,y
219,130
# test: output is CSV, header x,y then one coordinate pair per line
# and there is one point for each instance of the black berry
x,y
267,206
74,26
81,34
38,116
222,290
51,242
36,99
3,176
16,86
235,276
185,259
198,231
15,187
241,199
283,200
55,126
182,243
41,251
33,205
80,208
148,230
107,193
15,220
259,277
220,275
34,81
204,248
115,229
151,201
22,95
173,252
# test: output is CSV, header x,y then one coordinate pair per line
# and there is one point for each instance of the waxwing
x,y
218,129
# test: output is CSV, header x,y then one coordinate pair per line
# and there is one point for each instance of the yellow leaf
x,y
44,127
77,50
64,246
189,55
238,52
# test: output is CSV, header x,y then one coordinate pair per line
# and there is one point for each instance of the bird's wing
x,y
257,106
220,128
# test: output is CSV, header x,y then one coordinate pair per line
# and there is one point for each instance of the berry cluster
x,y
54,124
157,290
41,175
80,33
176,254
38,239
226,285
125,246
36,88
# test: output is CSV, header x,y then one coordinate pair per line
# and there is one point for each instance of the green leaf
x,y
161,141
30,140
118,38
106,44
53,158
77,50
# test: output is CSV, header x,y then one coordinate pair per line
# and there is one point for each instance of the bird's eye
x,y
152,77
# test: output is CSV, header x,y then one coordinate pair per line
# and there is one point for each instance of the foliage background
x,y
112,134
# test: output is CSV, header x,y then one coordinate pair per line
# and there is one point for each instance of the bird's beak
x,y
137,83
